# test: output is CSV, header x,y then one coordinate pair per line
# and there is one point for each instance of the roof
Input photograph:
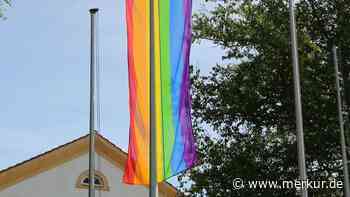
x,y
65,153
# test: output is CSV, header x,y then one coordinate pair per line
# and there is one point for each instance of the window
x,y
100,181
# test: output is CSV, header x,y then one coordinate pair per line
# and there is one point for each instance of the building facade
x,y
63,171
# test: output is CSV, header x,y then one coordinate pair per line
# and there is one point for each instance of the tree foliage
x,y
3,5
243,111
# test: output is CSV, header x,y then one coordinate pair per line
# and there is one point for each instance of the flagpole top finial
x,y
93,10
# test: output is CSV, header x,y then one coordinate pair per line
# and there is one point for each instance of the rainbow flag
x,y
175,144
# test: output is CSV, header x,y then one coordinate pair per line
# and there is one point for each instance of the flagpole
x,y
341,124
297,94
153,192
93,13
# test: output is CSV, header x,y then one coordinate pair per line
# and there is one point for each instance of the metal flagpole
x,y
297,94
341,123
93,13
153,192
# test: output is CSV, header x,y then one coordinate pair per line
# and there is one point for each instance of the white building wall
x,y
61,182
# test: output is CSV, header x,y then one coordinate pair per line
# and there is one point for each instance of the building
x,y
63,171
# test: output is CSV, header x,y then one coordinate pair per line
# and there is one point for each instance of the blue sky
x,y
44,77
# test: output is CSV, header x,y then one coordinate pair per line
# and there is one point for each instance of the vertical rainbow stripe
x,y
175,143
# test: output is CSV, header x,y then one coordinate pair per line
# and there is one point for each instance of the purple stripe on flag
x,y
185,102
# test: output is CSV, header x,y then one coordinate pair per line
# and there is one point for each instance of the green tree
x,y
3,5
243,110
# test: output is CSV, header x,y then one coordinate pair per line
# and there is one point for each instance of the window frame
x,y
103,179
